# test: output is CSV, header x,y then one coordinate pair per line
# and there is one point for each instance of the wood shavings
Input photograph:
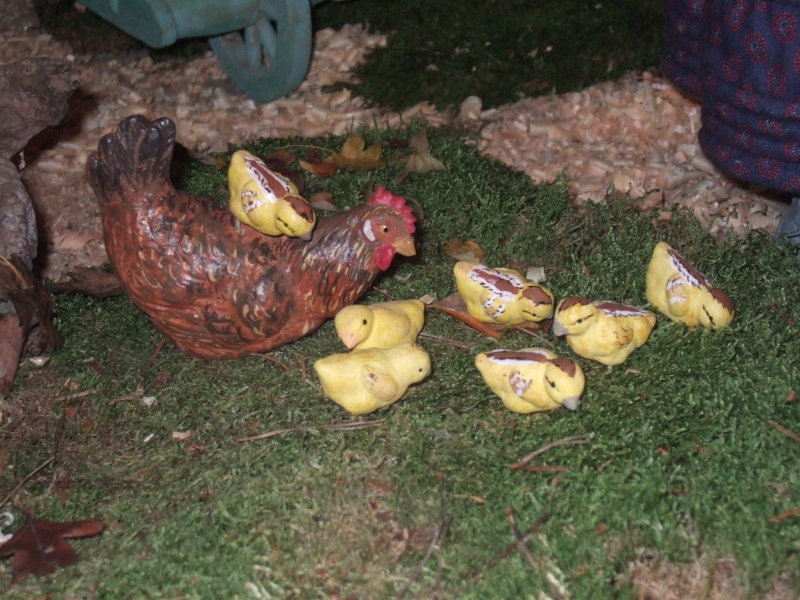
x,y
636,135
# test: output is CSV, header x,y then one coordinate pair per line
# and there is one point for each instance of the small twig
x,y
578,439
25,480
384,293
543,468
75,395
136,394
476,499
789,513
438,535
151,361
272,359
785,431
522,546
348,426
444,340
535,334
510,548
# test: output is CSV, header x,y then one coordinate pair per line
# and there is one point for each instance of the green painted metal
x,y
264,46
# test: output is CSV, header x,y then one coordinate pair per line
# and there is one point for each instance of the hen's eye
x,y
385,229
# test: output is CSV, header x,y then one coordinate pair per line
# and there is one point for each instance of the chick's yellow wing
x,y
380,383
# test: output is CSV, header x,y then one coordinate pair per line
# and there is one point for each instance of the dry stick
x,y
25,480
510,548
75,395
352,426
438,535
789,513
444,340
543,468
521,545
578,439
151,361
272,359
785,431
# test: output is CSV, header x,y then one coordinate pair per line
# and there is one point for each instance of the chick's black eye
x,y
420,369
579,321
385,229
364,322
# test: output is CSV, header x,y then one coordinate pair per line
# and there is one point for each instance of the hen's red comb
x,y
384,196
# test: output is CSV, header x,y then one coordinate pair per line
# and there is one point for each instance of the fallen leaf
x,y
322,201
354,156
316,166
421,160
39,546
454,306
469,251
181,435
280,158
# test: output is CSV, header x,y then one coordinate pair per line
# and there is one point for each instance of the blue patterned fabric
x,y
741,59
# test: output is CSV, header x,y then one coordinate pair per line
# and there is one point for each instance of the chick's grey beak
x,y
306,237
558,328
572,403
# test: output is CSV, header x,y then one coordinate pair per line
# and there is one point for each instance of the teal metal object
x,y
264,46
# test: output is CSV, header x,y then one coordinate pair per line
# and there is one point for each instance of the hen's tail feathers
x,y
135,157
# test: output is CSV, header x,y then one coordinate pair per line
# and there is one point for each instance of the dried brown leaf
x,y
421,161
469,251
318,168
354,156
39,546
322,201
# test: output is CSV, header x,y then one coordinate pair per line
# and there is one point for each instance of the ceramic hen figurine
x,y
267,201
381,325
217,292
683,294
363,381
501,296
532,380
603,331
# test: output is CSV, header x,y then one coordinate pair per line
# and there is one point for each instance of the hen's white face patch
x,y
367,230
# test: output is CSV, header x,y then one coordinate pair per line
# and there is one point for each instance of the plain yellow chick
x,y
532,380
363,381
603,331
501,296
381,325
683,293
267,201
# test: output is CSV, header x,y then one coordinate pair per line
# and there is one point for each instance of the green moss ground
x,y
680,454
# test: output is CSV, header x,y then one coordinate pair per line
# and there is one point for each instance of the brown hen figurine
x,y
215,291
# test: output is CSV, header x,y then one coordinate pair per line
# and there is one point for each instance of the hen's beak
x,y
405,246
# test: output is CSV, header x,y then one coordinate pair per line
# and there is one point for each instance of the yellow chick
x,y
381,325
532,380
363,381
683,294
603,331
266,200
501,296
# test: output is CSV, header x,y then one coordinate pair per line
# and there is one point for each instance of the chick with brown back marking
x,y
501,296
683,294
604,331
532,380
